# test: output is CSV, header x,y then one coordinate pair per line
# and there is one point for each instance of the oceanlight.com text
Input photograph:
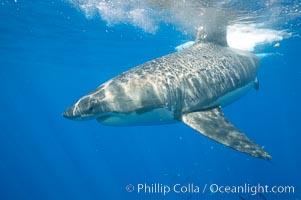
x,y
251,189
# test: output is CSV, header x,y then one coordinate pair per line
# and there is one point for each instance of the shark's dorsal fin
x,y
214,125
216,34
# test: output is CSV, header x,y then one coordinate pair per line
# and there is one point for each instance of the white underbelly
x,y
233,96
154,117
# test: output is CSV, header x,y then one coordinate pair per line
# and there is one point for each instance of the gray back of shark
x,y
189,86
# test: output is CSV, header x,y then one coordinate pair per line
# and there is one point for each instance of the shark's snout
x,y
75,112
69,113
88,107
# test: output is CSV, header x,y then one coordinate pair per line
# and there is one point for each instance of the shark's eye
x,y
91,108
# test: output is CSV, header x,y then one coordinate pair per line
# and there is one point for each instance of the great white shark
x,y
189,86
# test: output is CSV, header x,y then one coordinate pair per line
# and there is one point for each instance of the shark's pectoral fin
x,y
214,125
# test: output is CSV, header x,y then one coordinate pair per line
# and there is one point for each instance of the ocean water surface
x,y
54,52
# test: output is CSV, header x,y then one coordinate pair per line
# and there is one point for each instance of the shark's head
x,y
120,104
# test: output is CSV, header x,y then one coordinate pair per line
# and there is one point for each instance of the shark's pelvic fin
x,y
256,86
214,125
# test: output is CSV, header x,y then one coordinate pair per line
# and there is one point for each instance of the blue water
x,y
51,55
